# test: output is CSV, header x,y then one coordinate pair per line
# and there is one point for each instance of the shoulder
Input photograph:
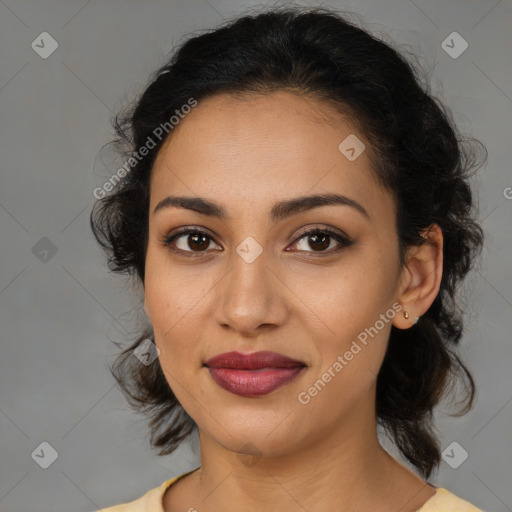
x,y
445,501
151,501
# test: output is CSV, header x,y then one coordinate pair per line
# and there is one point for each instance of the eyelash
x,y
343,241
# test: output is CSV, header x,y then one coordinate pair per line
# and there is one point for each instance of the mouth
x,y
253,375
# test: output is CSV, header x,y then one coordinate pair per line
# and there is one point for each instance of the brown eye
x,y
197,241
188,241
319,240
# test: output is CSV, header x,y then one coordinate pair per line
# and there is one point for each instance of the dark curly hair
x,y
416,152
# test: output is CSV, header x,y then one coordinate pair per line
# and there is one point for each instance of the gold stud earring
x,y
406,314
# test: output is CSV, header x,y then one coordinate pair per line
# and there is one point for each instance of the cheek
x,y
349,346
175,305
175,293
349,295
347,310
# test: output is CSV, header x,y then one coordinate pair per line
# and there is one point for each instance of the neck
x,y
343,471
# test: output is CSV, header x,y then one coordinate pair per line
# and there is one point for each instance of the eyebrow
x,y
279,211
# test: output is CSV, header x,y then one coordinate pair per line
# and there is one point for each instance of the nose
x,y
251,299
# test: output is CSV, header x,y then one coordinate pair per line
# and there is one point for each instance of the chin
x,y
257,439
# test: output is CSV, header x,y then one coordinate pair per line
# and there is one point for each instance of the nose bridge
x,y
250,294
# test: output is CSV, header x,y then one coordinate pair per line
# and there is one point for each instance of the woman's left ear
x,y
421,277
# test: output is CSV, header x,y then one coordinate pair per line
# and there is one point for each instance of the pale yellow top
x,y
442,501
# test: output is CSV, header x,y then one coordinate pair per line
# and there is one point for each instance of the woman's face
x,y
254,282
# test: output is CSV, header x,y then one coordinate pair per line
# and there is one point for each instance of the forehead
x,y
262,148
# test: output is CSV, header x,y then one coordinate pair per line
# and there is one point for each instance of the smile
x,y
253,383
254,374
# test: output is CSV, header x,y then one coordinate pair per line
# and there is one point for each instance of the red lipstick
x,y
255,374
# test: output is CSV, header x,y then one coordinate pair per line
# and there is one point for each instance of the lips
x,y
253,375
254,361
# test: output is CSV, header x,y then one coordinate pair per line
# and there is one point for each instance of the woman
x,y
298,211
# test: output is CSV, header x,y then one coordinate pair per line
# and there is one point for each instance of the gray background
x,y
58,311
